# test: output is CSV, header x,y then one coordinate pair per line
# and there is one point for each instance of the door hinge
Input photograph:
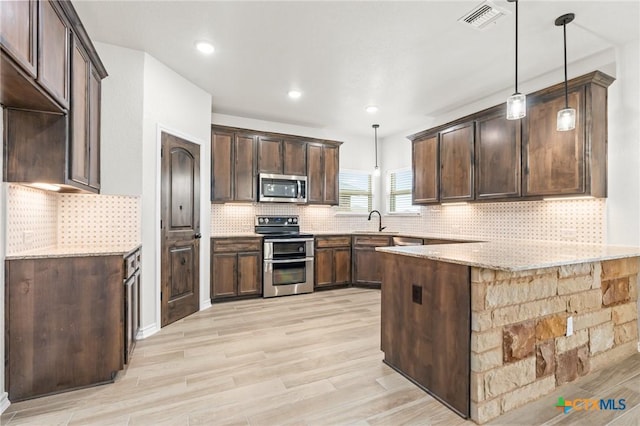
x,y
161,296
160,223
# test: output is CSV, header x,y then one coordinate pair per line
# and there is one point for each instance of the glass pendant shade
x,y
566,119
516,106
376,171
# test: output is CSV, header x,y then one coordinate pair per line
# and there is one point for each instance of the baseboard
x,y
205,304
4,402
147,331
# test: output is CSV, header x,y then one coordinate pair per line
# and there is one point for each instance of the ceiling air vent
x,y
482,15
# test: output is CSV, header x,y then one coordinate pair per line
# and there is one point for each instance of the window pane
x,y
399,191
355,191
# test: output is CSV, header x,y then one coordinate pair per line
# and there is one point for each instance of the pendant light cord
x,y
375,129
566,85
516,85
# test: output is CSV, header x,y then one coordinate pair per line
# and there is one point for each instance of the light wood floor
x,y
308,359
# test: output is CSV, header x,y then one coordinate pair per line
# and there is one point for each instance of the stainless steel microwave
x,y
282,188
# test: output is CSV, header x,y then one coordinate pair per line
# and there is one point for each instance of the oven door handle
x,y
288,240
306,259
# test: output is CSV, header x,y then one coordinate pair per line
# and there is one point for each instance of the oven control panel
x,y
276,220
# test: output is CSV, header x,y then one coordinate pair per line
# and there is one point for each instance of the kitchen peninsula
x,y
488,327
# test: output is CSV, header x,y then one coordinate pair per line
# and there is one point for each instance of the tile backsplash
x,y
38,219
558,220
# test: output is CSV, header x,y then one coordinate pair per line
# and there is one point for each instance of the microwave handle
x,y
299,189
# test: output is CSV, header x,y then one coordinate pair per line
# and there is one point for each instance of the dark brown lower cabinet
x,y
366,266
332,259
64,323
236,268
426,325
132,280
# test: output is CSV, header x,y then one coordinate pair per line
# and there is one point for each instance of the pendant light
x,y
516,103
376,170
566,116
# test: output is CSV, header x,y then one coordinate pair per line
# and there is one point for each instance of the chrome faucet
x,y
380,227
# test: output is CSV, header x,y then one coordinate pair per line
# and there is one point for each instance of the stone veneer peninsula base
x,y
505,343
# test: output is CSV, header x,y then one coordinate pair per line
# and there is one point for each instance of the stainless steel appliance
x,y
282,188
288,256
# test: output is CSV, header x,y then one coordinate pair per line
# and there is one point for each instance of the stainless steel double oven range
x,y
287,256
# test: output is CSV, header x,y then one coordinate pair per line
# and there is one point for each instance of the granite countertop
x,y
516,255
235,235
76,251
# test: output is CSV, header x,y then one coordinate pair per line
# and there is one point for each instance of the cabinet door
x,y
425,170
249,273
295,158
94,130
497,157
79,146
342,265
244,184
18,32
331,175
366,270
554,161
456,163
315,175
324,266
269,155
223,275
53,52
221,166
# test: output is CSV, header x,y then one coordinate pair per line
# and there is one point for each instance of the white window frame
x,y
412,211
341,212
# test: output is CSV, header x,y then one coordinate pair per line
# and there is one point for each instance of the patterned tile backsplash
x,y
558,220
38,219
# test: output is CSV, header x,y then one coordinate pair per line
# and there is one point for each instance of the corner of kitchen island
x,y
486,334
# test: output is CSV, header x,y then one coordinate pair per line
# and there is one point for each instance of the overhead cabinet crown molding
x,y
485,157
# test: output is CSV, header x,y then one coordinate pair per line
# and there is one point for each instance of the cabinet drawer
x,y
371,240
131,264
236,244
341,241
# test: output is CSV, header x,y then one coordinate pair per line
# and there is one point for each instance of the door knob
x,y
197,236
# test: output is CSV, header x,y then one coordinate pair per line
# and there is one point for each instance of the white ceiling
x,y
412,59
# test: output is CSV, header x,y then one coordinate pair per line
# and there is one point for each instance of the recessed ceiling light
x,y
294,94
371,109
205,47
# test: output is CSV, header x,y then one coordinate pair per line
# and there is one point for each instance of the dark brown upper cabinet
x,y
19,32
53,51
572,162
233,166
456,163
426,167
281,156
53,74
497,156
322,174
84,143
521,159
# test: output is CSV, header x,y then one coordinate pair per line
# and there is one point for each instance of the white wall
x,y
623,203
121,132
174,105
140,97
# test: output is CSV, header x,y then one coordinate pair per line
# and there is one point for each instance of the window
x,y
398,183
355,192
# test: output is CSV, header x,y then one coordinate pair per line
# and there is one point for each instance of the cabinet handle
x,y
197,236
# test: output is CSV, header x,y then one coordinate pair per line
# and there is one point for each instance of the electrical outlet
x,y
569,326
27,238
